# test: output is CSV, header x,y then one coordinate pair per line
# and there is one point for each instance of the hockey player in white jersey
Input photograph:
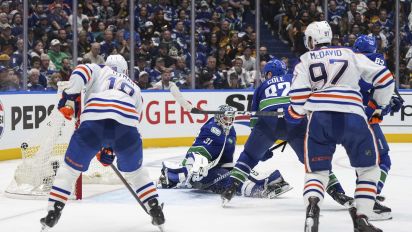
x,y
110,118
325,88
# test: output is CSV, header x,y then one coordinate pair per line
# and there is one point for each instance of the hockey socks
x,y
315,183
62,185
365,192
336,191
382,179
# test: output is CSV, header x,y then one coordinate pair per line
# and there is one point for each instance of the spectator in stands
x,y
297,32
141,66
66,70
5,60
248,60
62,37
257,80
93,55
108,45
264,55
80,17
54,78
17,25
47,68
58,17
164,54
35,62
33,80
143,81
156,72
83,44
105,12
351,13
181,73
56,56
7,40
17,56
372,14
164,83
4,79
405,78
37,50
222,59
242,76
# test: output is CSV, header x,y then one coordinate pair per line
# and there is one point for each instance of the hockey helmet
x,y
275,67
317,33
365,44
117,63
225,120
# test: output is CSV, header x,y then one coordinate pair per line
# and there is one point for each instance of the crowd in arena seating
x,y
348,19
225,42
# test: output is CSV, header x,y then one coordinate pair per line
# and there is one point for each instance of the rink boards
x,y
163,122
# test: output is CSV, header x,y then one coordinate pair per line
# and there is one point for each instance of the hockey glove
x,y
292,117
199,168
105,156
69,105
396,104
373,110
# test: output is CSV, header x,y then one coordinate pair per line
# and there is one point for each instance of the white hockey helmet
x,y
117,63
317,33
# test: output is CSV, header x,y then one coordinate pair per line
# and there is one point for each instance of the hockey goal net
x,y
43,155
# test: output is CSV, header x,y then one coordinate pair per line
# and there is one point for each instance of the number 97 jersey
x,y
327,79
107,94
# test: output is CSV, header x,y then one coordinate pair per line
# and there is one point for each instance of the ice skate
x,y
274,190
340,198
361,223
52,217
312,215
156,212
380,212
230,192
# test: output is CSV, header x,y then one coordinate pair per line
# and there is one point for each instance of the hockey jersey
x,y
271,95
327,79
366,87
210,141
107,94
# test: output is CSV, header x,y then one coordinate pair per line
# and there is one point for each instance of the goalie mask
x,y
225,121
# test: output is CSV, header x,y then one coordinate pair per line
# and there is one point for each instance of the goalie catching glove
x,y
69,105
105,156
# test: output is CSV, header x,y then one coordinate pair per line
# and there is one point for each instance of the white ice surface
x,y
114,210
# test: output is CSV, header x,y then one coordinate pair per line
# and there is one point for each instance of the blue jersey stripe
x,y
61,190
385,85
110,111
379,74
366,182
145,186
81,75
315,181
365,197
109,100
334,102
342,91
300,90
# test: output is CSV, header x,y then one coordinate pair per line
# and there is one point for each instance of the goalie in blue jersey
x,y
208,162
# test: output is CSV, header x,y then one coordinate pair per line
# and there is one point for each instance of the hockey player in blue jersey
x,y
367,45
273,95
208,162
110,118
325,89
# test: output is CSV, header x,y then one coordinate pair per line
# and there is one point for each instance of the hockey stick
x,y
284,143
398,94
233,113
128,187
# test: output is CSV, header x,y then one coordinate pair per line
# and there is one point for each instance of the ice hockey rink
x,y
113,209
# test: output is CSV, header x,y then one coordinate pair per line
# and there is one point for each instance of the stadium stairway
x,y
274,45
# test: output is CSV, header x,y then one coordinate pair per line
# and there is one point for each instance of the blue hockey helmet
x,y
276,67
365,44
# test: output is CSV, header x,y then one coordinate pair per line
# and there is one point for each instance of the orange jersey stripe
x,y
316,185
365,190
300,97
86,71
112,105
59,196
147,192
337,96
384,78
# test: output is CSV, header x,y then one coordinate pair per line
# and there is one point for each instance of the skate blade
x,y
44,228
310,225
224,202
380,216
161,228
